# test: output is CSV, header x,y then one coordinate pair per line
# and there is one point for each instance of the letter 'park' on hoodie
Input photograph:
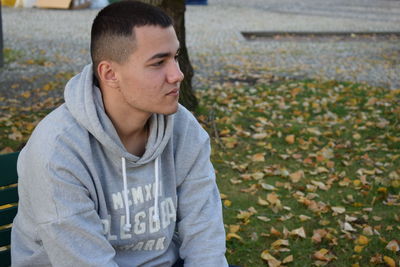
x,y
86,201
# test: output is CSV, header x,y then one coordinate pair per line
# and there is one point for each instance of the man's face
x,y
149,80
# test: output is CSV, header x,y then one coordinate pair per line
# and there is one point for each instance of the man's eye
x,y
176,57
159,63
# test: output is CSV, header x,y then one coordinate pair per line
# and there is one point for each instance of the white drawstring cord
x,y
155,216
127,226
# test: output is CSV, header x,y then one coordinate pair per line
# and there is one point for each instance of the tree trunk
x,y
1,41
176,10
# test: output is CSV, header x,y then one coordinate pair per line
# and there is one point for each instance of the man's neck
x,y
132,125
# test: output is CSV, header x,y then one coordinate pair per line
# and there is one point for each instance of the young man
x,y
120,174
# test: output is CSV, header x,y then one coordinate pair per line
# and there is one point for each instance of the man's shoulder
x,y
184,116
186,124
53,130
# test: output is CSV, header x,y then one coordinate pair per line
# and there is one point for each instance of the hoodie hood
x,y
84,100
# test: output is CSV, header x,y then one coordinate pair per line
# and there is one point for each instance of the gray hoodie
x,y
86,201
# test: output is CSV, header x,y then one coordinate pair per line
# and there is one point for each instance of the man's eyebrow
x,y
160,55
163,55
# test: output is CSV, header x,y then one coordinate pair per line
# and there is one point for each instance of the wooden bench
x,y
8,203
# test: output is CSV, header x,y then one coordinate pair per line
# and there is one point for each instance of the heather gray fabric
x,y
72,209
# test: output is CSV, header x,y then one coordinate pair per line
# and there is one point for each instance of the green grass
x,y
11,55
344,118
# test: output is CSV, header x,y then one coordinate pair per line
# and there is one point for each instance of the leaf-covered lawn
x,y
309,172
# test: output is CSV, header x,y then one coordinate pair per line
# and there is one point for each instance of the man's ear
x,y
107,75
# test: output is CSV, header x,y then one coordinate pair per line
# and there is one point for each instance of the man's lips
x,y
174,92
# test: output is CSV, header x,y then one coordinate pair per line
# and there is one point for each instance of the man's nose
x,y
174,74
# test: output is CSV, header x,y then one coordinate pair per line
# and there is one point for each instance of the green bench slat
x,y
8,169
7,215
8,176
5,258
8,196
5,237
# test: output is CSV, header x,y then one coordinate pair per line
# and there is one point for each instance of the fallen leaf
x,y
299,232
393,246
272,261
296,176
339,210
290,139
362,240
288,259
258,157
229,236
389,261
263,218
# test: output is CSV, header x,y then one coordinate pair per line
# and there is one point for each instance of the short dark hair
x,y
113,37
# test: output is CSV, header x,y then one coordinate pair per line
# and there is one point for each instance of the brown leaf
x,y
258,157
272,261
290,139
296,176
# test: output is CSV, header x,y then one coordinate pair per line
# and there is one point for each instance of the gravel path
x,y
50,42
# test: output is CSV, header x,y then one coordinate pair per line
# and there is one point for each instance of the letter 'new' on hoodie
x,y
86,201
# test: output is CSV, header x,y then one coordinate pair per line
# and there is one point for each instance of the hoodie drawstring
x,y
155,216
128,226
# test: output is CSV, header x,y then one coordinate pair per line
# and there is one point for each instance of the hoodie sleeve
x,y
200,222
56,195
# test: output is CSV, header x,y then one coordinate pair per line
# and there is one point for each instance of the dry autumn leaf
x,y
290,139
296,176
389,261
393,246
258,157
272,261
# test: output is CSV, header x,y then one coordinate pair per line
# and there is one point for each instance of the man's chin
x,y
171,110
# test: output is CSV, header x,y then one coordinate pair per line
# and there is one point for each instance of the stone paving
x,y
61,39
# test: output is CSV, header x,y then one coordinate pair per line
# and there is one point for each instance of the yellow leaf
x,y
272,262
227,203
234,228
258,157
26,94
290,139
280,242
320,254
245,215
357,136
288,259
358,249
47,87
262,202
389,261
258,175
304,218
299,232
273,198
223,196
229,236
362,240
